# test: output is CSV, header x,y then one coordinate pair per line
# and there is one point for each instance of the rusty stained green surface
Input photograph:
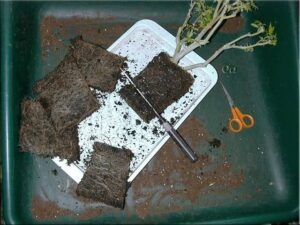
x,y
263,83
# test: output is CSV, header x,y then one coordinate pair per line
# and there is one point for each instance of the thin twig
x,y
228,46
212,20
181,28
245,47
217,25
204,64
212,26
217,8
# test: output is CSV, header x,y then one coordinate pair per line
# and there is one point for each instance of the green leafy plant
x,y
203,20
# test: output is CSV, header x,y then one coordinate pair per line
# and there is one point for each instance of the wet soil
x,y
47,210
162,82
216,143
36,132
171,177
101,68
106,176
43,210
56,31
38,135
65,95
169,183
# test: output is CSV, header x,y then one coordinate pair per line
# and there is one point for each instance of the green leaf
x,y
271,29
257,24
246,5
189,40
254,25
189,34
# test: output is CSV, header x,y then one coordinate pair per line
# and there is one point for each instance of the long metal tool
x,y
177,138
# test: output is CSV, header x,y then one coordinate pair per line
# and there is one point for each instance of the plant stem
x,y
228,46
180,29
217,7
204,64
217,25
250,46
211,27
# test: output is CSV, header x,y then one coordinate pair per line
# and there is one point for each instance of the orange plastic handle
x,y
235,125
240,120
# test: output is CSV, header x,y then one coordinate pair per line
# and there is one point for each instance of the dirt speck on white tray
x,y
115,123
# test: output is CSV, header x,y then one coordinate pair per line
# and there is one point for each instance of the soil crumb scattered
x,y
225,130
171,182
215,143
138,122
47,210
90,213
101,31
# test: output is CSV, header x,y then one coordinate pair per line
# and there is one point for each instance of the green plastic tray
x,y
263,83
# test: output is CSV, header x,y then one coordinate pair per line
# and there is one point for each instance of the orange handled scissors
x,y
238,120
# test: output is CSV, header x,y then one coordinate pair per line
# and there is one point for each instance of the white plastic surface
x,y
116,124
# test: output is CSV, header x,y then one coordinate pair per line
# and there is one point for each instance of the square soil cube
x,y
106,176
101,68
66,96
162,82
37,134
60,70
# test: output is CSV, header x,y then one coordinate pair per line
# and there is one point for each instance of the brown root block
x,y
101,68
37,134
66,96
106,176
162,82
67,145
59,71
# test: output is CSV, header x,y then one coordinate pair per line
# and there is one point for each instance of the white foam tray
x,y
139,44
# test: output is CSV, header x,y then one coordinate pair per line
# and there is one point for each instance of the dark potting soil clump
x,y
68,147
37,134
66,96
162,82
61,70
106,176
216,143
101,68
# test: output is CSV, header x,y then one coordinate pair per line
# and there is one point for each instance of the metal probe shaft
x,y
177,138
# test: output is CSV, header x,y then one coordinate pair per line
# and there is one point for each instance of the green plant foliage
x,y
202,15
246,6
268,35
205,17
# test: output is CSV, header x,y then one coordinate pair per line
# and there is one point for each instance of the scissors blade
x,y
230,101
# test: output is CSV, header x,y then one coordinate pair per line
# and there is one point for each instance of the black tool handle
x,y
182,144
